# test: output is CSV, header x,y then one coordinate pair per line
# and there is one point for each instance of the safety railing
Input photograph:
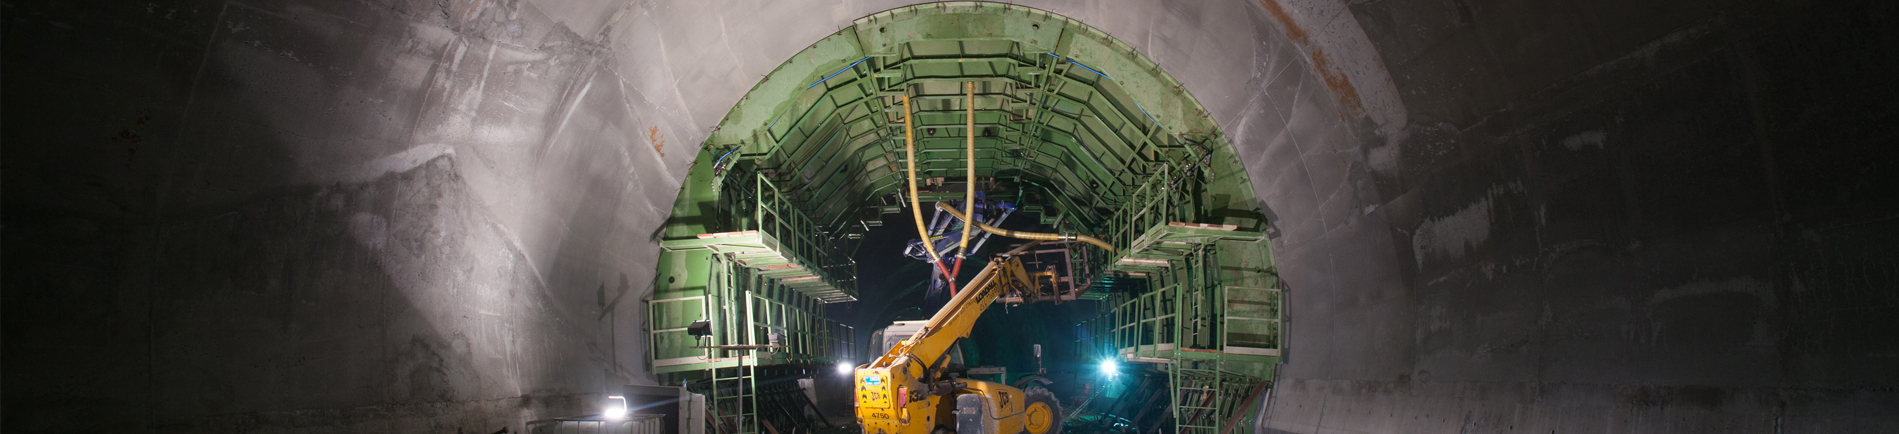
x,y
1095,337
1155,202
1158,201
785,328
1146,324
669,318
771,212
840,341
632,424
743,310
1240,320
1251,320
794,331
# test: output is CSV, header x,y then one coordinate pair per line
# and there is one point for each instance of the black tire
x,y
1032,380
1035,397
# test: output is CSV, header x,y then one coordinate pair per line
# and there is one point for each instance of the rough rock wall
x,y
399,215
1602,217
312,216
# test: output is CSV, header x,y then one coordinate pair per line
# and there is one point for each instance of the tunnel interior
x,y
287,216
1017,109
1049,128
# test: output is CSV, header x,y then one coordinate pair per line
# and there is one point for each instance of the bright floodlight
x,y
845,367
1109,367
616,411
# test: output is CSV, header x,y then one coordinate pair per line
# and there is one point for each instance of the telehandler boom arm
x,y
1004,273
904,390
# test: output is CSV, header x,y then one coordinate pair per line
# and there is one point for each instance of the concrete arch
x,y
414,215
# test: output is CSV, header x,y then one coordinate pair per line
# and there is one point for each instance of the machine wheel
x,y
1043,414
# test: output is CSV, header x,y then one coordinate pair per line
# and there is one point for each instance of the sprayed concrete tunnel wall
x,y
1601,217
289,216
313,216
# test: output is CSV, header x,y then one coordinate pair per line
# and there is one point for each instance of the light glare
x,y
845,367
1110,368
615,411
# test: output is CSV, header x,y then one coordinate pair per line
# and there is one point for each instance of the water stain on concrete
x,y
1454,235
1586,139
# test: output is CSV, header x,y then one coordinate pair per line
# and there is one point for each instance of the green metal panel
x,y
1094,132
1109,113
1252,319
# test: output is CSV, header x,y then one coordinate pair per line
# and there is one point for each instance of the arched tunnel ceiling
x,y
1061,109
1580,216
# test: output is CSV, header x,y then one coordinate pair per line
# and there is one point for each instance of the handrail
x,y
1174,315
773,214
803,333
1154,202
1145,322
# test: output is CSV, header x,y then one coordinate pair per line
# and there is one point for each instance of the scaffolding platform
x,y
771,258
1162,244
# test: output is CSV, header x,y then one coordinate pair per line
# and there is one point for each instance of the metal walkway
x,y
1208,311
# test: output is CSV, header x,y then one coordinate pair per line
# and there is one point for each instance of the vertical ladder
x,y
1198,404
735,397
745,408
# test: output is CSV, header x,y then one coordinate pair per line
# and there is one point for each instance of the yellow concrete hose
x,y
969,199
1028,235
910,154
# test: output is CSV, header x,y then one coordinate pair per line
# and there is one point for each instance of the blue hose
x,y
721,160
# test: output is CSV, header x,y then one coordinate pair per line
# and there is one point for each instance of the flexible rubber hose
x,y
916,209
969,198
1041,236
961,300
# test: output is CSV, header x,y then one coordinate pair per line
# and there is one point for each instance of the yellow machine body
x,y
877,406
906,392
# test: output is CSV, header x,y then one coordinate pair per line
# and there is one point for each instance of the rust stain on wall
x,y
1334,78
658,141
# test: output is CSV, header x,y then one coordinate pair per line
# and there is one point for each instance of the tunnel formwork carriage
x,y
737,313
1070,123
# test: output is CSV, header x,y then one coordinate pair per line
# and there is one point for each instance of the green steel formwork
x,y
769,235
1219,342
1213,376
1071,123
1065,113
754,321
1211,321
768,257
740,257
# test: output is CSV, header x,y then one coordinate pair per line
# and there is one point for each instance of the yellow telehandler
x,y
909,390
